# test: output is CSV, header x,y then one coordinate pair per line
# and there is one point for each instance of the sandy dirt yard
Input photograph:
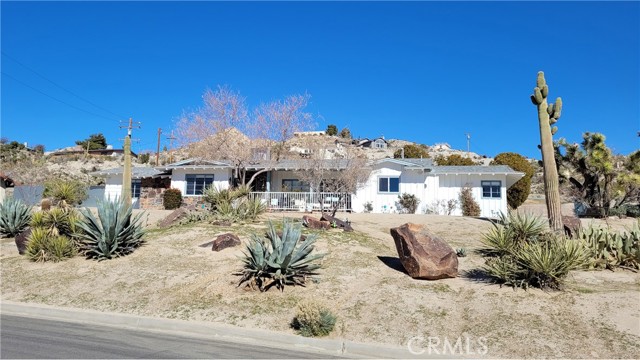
x,y
362,281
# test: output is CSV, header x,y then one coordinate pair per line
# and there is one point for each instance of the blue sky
x,y
427,72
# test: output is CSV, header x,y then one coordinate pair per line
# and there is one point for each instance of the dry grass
x,y
172,276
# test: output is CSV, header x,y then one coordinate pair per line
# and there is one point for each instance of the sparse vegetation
x,y
279,261
454,160
313,319
14,217
612,249
412,151
469,205
54,235
71,192
172,199
518,192
115,233
408,202
233,204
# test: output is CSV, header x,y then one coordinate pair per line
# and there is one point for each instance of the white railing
x,y
303,201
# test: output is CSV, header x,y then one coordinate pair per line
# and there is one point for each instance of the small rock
x,y
225,241
424,255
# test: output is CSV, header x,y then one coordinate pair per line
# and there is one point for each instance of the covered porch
x,y
303,201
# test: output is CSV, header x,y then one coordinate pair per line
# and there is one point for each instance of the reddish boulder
x,y
22,239
424,255
225,241
313,223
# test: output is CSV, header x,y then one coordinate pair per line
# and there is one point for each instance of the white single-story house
x,y
279,186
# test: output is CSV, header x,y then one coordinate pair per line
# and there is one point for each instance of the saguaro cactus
x,y
547,116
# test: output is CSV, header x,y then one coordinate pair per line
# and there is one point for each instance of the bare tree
x,y
222,129
340,173
279,120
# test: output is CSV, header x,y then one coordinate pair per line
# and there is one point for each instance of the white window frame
x,y
136,184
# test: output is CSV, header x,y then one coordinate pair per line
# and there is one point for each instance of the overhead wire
x,y
54,98
62,87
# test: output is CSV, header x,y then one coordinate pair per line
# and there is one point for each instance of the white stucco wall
x,y
220,178
450,185
113,187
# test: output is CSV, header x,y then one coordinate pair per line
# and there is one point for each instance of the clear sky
x,y
428,72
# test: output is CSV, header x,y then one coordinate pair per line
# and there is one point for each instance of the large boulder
x,y
225,241
424,255
313,223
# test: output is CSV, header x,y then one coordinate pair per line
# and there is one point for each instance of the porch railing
x,y
303,201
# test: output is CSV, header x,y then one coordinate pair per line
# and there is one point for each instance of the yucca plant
x,y
115,233
523,226
43,245
497,242
279,260
14,217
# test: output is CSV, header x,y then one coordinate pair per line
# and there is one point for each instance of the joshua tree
x,y
547,116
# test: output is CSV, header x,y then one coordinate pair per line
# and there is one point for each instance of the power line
x,y
62,87
54,98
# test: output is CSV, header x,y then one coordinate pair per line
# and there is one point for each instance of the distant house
x,y
78,150
441,147
280,188
377,143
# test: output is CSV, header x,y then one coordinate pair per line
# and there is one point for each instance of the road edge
x,y
211,330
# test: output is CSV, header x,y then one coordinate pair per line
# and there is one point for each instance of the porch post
x,y
268,181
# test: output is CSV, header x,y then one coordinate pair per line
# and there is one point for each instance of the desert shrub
x,y
196,217
233,204
443,207
468,204
454,160
368,206
59,221
523,253
633,211
115,233
72,192
412,152
408,202
461,252
518,192
313,319
612,249
143,158
43,245
14,217
172,199
279,260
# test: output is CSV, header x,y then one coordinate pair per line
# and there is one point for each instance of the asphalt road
x,y
31,338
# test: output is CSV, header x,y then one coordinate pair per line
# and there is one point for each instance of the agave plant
x,y
116,233
14,217
279,260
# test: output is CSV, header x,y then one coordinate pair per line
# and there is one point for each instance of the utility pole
x,y
126,174
158,150
171,138
468,144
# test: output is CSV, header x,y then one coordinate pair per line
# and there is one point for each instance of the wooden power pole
x,y
126,173
171,138
158,150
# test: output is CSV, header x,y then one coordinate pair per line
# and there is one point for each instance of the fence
x,y
303,201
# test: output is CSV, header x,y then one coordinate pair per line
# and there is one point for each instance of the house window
x,y
294,185
389,184
491,189
197,183
135,188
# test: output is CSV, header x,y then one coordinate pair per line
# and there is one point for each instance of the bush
x,y
408,202
59,221
412,152
312,319
116,233
14,217
72,192
172,199
279,260
233,204
454,160
633,211
43,245
522,253
469,205
518,192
